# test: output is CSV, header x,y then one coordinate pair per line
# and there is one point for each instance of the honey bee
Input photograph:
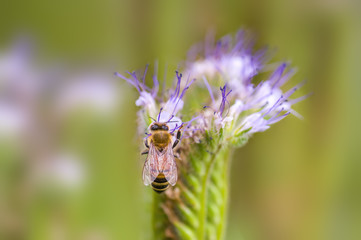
x,y
160,169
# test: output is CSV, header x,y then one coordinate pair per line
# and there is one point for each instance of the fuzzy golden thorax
x,y
160,135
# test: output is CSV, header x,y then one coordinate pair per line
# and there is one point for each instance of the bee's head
x,y
159,126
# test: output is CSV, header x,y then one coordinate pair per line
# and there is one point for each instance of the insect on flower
x,y
160,168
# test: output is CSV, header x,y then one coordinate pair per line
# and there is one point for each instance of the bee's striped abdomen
x,y
160,184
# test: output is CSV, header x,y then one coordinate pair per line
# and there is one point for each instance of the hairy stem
x,y
224,193
204,194
196,208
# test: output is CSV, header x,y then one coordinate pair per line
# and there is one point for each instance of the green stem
x,y
196,208
203,196
225,194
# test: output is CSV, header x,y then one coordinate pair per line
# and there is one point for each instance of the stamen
x,y
174,128
145,72
293,101
164,82
294,89
190,121
276,76
217,50
131,82
224,99
177,89
278,118
160,111
134,77
183,92
209,89
240,36
273,107
275,115
296,114
155,81
286,77
170,118
209,42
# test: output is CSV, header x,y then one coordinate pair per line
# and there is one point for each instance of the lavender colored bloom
x,y
234,62
153,106
234,103
12,120
250,107
226,106
94,91
64,169
147,96
19,87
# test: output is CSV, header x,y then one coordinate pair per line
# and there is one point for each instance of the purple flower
x,y
94,91
147,96
235,103
233,64
153,106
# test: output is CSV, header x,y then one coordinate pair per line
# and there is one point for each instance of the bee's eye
x,y
164,127
154,127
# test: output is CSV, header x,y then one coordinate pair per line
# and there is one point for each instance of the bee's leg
x,y
178,138
145,152
175,143
146,142
176,155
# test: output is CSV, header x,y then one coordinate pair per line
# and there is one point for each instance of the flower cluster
x,y
234,102
153,106
229,100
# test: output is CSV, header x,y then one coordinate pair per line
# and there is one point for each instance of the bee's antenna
x,y
153,119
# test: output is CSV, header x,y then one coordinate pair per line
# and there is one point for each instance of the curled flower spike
x,y
224,99
147,96
225,108
150,100
235,63
232,63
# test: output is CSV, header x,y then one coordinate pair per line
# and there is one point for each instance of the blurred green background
x,y
299,180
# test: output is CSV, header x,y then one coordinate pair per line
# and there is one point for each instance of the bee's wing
x,y
169,166
151,169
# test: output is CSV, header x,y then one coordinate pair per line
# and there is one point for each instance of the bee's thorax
x,y
161,139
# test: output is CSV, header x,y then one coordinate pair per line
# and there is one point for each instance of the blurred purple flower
x,y
12,120
62,169
153,106
88,91
251,107
34,101
19,85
